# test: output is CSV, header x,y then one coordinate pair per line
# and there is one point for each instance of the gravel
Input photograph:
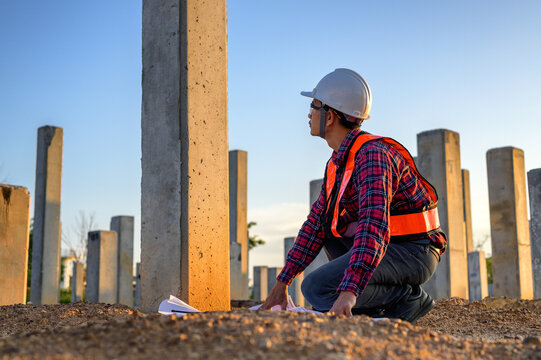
x,y
495,328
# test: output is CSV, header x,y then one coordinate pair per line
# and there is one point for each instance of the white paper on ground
x,y
175,306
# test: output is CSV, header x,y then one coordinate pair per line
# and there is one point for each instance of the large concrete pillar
x,y
511,255
534,187
77,282
260,282
238,221
101,268
123,226
466,200
294,289
184,198
14,232
46,239
438,160
321,258
478,280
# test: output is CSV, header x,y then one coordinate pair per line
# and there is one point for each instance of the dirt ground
x,y
495,328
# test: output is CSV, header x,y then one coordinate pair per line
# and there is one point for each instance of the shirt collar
x,y
338,158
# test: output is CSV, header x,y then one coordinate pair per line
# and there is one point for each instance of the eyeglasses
x,y
315,107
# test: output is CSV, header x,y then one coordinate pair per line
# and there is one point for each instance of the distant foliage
x,y
253,240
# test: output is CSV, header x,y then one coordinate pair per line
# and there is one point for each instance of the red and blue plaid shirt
x,y
382,182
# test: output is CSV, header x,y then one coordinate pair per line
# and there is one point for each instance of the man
x,y
376,216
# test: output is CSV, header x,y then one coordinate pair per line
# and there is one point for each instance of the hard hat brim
x,y
309,94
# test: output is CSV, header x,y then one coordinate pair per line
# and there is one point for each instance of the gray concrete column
x,y
511,254
235,268
123,226
77,282
321,258
184,185
478,280
14,232
466,199
438,160
294,289
260,282
238,221
534,187
272,274
137,296
101,268
46,240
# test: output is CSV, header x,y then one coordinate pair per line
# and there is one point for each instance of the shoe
x,y
416,305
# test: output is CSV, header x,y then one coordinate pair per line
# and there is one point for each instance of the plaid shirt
x,y
381,182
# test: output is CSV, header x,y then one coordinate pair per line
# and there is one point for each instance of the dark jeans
x,y
403,265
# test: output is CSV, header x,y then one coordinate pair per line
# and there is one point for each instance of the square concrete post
x,y
260,282
272,273
137,296
478,280
438,160
101,269
235,267
123,226
534,187
14,232
184,184
46,239
321,258
511,254
77,282
294,290
466,199
238,221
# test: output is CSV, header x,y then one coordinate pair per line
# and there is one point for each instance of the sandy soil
x,y
494,328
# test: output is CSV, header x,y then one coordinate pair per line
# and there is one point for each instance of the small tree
x,y
253,240
78,246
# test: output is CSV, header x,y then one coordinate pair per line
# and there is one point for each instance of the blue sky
x,y
472,67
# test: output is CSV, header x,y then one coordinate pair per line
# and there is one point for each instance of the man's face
x,y
314,116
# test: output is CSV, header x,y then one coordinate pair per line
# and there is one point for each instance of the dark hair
x,y
344,121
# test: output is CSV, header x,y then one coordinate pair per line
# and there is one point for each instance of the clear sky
x,y
468,66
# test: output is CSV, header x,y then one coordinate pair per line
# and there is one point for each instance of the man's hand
x,y
277,296
342,306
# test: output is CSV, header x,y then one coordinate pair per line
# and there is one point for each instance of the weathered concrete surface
x,y
235,267
438,160
260,282
14,232
137,295
272,274
101,268
477,270
46,240
123,226
294,290
466,199
534,187
238,221
77,281
184,199
321,258
511,255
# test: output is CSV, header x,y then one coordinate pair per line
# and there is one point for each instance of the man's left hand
x,y
342,306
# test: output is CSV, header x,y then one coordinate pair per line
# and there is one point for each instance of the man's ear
x,y
330,118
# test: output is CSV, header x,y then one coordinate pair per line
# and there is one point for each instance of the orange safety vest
x,y
406,225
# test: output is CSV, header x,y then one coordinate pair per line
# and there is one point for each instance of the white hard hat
x,y
345,91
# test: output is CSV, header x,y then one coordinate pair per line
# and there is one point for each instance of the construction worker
x,y
375,218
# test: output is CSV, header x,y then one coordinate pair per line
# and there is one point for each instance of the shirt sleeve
x,y
373,179
308,243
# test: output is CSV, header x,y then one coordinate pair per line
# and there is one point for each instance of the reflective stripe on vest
x,y
400,225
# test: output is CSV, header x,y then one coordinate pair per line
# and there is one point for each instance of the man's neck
x,y
336,137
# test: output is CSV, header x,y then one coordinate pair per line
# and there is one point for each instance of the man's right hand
x,y
277,296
